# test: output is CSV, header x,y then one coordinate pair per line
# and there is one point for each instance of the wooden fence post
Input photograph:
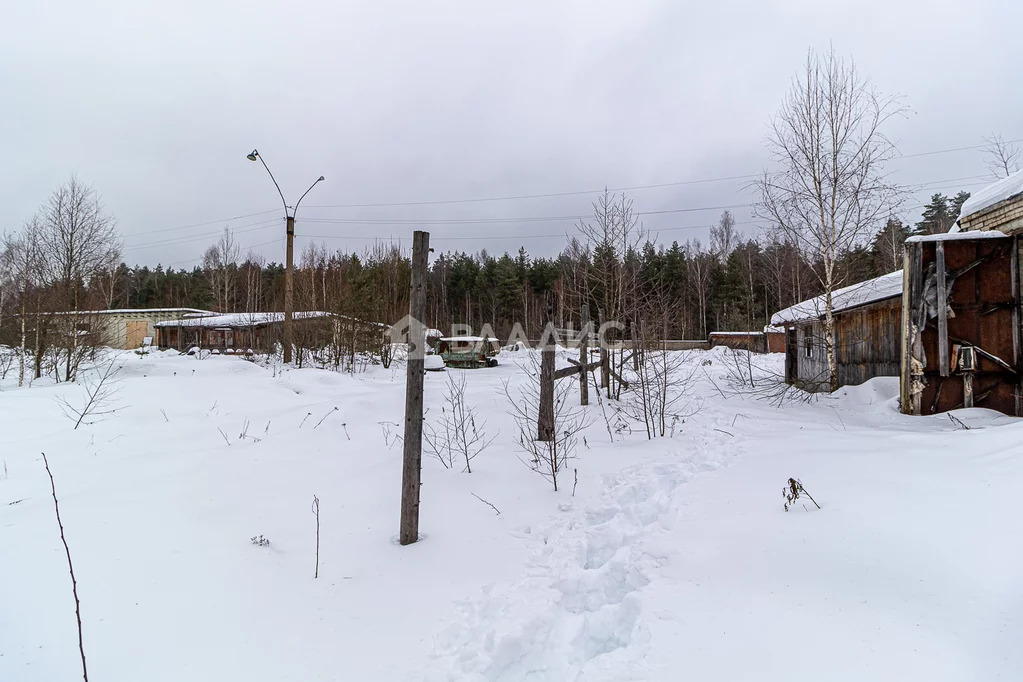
x,y
605,365
584,355
412,452
545,416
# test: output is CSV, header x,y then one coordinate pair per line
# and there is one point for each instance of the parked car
x,y
469,352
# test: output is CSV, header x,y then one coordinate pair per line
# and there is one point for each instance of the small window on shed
x,y
808,344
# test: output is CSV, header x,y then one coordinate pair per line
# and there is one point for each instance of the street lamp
x,y
289,265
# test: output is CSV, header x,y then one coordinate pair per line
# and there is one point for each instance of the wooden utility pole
x,y
545,418
413,445
584,355
289,291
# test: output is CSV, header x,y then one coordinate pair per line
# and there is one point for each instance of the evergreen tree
x,y
956,204
937,216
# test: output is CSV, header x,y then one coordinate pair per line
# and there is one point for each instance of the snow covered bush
x,y
259,541
457,435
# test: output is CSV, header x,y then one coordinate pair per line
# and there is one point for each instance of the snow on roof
x,y
239,319
1006,188
956,236
871,291
768,329
142,311
468,338
736,333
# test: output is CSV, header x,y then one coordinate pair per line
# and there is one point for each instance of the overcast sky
x,y
157,104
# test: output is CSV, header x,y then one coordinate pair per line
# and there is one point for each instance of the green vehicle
x,y
469,352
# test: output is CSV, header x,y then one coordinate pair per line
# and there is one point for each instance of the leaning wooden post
x,y
605,366
584,355
545,417
413,445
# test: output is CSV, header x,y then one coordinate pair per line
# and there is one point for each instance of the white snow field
x,y
674,560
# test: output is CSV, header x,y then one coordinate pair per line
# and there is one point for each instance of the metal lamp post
x,y
289,265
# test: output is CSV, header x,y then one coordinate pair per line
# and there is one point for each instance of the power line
x,y
534,196
612,189
209,222
202,237
248,247
538,196
561,218
957,149
525,219
250,227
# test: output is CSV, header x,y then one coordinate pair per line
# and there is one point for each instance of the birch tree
x,y
23,264
78,241
827,188
614,237
220,263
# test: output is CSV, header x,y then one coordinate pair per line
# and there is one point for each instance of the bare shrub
x,y
100,392
259,541
548,458
458,434
7,357
70,568
659,397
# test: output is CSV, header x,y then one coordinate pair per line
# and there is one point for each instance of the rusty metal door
x,y
982,313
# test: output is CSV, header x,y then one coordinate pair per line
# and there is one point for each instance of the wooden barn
x,y
868,319
961,329
948,324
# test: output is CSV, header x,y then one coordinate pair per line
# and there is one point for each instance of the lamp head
x,y
253,155
320,179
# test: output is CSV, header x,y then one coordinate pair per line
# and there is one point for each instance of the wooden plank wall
x,y
867,344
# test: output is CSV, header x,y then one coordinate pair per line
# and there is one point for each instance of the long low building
x,y
240,331
126,328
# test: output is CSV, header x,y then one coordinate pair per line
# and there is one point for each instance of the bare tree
x,y
220,263
723,236
614,237
700,263
23,257
828,190
78,240
1002,157
458,434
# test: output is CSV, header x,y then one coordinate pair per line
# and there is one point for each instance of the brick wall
x,y
1005,216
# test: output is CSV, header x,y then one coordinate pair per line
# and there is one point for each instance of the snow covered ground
x,y
673,560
